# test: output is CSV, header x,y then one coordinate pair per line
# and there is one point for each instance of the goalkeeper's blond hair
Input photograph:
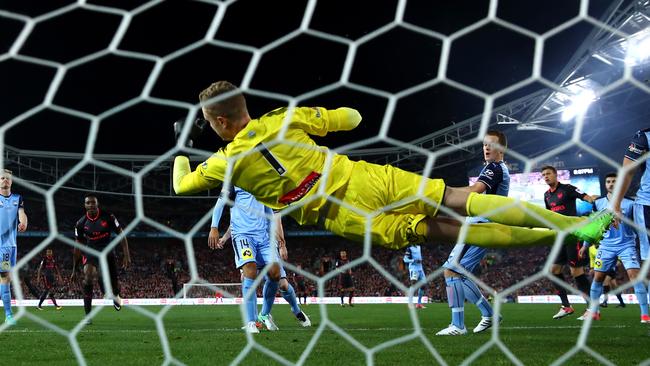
x,y
232,107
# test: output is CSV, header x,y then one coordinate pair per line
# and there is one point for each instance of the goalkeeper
x,y
283,167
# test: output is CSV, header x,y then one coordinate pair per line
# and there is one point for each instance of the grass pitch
x,y
210,335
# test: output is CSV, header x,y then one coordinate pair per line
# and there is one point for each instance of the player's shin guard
x,y
510,214
474,295
582,282
290,297
594,295
5,293
88,297
642,295
561,291
456,300
249,299
269,291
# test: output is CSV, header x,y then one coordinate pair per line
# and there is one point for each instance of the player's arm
x,y
279,236
490,177
319,121
76,253
22,216
38,272
207,175
637,148
126,261
213,236
407,257
117,228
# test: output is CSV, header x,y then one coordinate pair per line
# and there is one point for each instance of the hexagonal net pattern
x,y
442,74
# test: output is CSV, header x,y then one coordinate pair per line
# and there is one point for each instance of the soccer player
x,y
250,232
12,220
49,264
561,198
94,230
493,179
618,243
413,257
282,173
346,284
637,149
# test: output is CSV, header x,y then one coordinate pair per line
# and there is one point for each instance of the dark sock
x,y
342,295
351,296
620,299
42,298
583,285
606,293
561,291
88,298
53,300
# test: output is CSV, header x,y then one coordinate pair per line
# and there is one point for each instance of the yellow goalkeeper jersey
x,y
277,171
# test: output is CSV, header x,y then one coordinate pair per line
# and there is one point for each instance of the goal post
x,y
206,290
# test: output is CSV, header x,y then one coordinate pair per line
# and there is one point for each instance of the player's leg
x,y
642,221
289,295
46,290
456,300
50,278
245,261
115,284
470,262
577,268
631,264
266,256
594,293
606,289
455,291
413,277
556,270
7,262
90,274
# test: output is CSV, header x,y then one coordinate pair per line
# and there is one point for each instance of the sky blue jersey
x,y
9,206
247,216
625,235
413,257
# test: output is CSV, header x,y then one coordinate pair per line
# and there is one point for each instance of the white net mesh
x,y
346,49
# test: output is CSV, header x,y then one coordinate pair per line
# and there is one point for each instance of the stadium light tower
x,y
579,104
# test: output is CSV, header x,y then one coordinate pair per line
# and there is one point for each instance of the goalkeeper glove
x,y
195,131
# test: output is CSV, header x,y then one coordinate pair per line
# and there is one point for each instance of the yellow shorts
x,y
592,256
384,199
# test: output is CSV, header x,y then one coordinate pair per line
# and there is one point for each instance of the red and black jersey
x,y
562,199
342,262
96,231
48,263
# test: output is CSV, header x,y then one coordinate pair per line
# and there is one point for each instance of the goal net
x,y
91,88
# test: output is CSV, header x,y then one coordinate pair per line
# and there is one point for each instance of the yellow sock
x,y
502,236
482,204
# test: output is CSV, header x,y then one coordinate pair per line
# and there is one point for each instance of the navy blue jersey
x,y
637,148
496,177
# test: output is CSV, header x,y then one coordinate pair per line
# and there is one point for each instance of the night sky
x,y
488,59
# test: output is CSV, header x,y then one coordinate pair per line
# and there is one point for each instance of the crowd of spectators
x,y
160,267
